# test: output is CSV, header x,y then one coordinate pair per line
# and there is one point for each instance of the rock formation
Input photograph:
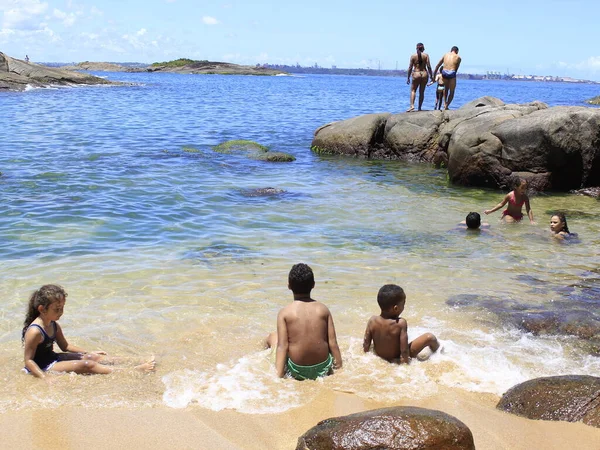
x,y
570,398
395,428
484,143
16,75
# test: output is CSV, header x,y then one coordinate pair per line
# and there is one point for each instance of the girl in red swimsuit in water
x,y
515,200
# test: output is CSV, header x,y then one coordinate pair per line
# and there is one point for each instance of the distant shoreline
x,y
312,70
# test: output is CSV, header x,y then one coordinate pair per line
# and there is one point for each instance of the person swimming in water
x,y
420,69
559,227
515,200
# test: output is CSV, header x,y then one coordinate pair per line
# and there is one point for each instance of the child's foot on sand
x,y
148,366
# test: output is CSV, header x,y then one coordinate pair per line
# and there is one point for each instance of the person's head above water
x,y
301,279
390,295
473,220
558,223
521,185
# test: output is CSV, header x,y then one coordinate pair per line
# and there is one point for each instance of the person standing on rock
x,y
451,62
420,69
26,58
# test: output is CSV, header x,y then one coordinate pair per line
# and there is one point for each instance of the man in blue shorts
x,y
451,62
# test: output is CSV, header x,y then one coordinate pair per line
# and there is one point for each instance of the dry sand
x,y
198,428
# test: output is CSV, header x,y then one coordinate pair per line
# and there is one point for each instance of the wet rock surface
x,y
569,398
396,428
484,143
572,311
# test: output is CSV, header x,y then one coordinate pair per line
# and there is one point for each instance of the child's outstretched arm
x,y
404,349
333,345
499,205
66,347
282,345
368,338
33,337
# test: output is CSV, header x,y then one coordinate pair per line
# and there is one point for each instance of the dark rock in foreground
x,y
16,75
570,398
396,428
484,143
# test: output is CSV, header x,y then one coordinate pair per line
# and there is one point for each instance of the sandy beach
x,y
197,428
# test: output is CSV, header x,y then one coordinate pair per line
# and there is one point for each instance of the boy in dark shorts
x,y
389,332
306,343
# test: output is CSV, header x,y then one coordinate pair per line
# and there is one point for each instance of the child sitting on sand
x,y
389,332
306,343
41,330
515,199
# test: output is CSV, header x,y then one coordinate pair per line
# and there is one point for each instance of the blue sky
x,y
523,37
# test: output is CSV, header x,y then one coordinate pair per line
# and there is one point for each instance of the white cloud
x,y
141,32
25,15
208,20
96,12
68,19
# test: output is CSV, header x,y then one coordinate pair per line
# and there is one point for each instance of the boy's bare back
x,y
389,336
305,325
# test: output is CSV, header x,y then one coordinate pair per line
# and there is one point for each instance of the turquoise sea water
x,y
116,194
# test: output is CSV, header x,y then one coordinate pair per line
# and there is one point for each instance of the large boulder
x,y
570,398
484,143
396,428
16,75
358,136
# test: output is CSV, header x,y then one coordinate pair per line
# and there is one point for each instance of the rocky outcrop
x,y
16,75
570,398
396,428
213,68
103,67
594,101
484,143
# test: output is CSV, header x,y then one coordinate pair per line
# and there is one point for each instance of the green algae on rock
x,y
252,150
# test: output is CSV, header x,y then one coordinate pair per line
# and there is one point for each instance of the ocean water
x,y
117,194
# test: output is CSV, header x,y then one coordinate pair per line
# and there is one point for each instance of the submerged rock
x,y
16,75
262,192
484,143
402,427
569,398
252,150
574,314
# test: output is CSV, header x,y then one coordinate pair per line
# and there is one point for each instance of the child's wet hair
x,y
563,219
301,279
388,296
44,296
473,220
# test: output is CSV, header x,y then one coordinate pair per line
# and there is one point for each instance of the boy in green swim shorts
x,y
306,343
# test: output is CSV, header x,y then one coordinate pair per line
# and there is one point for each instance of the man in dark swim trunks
x,y
451,62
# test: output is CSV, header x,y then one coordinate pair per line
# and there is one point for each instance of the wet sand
x,y
196,428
